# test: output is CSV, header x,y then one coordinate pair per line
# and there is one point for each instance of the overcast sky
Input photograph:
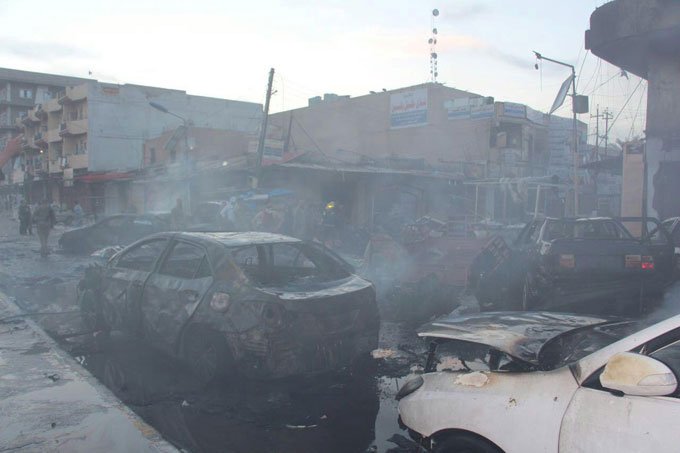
x,y
224,48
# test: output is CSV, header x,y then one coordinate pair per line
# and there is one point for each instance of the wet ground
x,y
351,411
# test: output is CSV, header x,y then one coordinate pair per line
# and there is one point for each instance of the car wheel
x,y
91,310
465,443
208,355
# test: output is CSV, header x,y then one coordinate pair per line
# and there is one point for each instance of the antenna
x,y
433,46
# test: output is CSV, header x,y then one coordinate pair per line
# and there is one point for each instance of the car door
x,y
124,281
598,420
173,292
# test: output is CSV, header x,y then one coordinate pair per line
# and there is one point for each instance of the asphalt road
x,y
342,412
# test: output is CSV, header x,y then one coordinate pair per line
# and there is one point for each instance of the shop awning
x,y
104,177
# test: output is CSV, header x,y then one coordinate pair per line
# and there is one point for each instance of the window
x,y
26,93
143,256
186,261
670,355
289,256
248,259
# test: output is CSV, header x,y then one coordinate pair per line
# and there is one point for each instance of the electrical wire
x,y
624,106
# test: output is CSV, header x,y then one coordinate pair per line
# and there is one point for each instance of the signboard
x,y
514,110
561,95
469,108
408,108
482,112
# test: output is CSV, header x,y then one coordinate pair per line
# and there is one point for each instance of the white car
x,y
547,382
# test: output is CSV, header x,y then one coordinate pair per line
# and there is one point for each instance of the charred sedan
x,y
257,304
585,263
120,229
546,382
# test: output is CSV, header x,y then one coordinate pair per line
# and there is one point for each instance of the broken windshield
x,y
286,265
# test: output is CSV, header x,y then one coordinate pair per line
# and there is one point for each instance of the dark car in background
x,y
257,304
571,262
121,229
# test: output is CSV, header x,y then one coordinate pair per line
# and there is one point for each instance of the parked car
x,y
550,382
558,263
257,304
121,229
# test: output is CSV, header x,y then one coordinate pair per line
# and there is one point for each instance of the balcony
x,y
78,127
53,105
74,94
27,143
52,136
77,160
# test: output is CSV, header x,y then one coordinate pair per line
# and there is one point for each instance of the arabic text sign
x,y
408,108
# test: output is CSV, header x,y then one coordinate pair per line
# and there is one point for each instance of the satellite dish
x,y
561,95
435,12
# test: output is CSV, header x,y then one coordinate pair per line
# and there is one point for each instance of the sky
x,y
224,48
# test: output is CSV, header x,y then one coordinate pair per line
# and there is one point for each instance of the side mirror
x,y
638,375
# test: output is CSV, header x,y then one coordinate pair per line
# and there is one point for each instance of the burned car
x,y
121,229
546,382
258,304
558,263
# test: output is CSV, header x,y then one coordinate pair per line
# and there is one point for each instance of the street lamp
x,y
185,123
575,131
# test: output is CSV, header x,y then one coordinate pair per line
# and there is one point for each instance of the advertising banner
x,y
408,108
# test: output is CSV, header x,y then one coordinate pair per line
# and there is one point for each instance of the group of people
x,y
43,217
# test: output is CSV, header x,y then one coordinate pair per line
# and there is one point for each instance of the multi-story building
x,y
20,91
456,153
90,137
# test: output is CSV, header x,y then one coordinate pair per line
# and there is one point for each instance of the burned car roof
x,y
239,239
520,335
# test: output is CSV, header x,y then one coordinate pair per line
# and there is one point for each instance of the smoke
x,y
669,305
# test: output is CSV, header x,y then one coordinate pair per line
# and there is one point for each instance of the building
x,y
20,91
642,37
87,142
192,163
426,149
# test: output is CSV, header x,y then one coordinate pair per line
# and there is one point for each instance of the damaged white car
x,y
546,382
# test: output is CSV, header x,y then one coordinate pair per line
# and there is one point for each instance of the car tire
x,y
208,356
465,443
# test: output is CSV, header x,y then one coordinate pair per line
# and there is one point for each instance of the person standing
x,y
177,215
44,219
78,214
25,218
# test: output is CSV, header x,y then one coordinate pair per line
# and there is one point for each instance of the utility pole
x,y
607,116
575,123
597,130
263,130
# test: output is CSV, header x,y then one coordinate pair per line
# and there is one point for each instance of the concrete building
x,y
192,163
93,135
422,149
20,91
643,37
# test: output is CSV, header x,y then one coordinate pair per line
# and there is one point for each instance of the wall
x,y
120,120
360,126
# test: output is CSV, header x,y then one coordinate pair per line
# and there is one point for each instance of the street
x,y
345,412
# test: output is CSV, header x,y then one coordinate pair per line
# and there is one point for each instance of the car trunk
x,y
605,258
327,325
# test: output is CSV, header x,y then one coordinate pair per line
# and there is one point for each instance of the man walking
x,y
25,219
44,220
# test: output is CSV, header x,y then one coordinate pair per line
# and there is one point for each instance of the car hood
x,y
520,335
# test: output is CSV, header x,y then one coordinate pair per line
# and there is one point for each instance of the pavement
x,y
48,402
